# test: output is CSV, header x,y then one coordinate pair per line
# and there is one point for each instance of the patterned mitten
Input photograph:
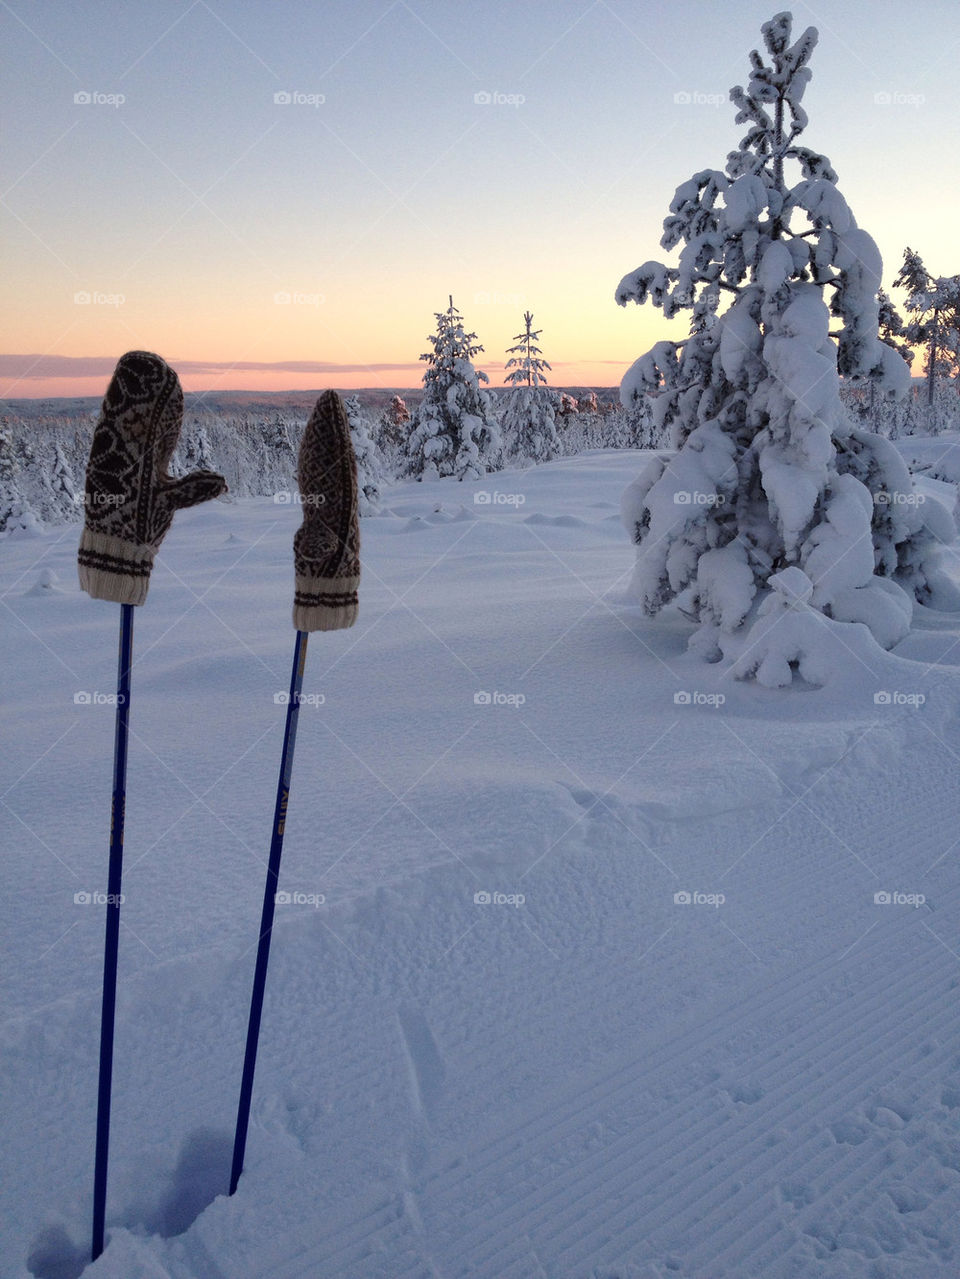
x,y
326,548
130,498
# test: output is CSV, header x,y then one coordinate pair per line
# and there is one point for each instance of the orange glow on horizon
x,y
596,375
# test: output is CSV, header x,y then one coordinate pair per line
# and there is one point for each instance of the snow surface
x,y
597,1080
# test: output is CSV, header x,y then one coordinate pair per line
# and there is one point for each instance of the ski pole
x,y
111,940
269,903
130,502
326,558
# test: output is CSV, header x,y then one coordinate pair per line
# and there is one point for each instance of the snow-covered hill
x,y
599,962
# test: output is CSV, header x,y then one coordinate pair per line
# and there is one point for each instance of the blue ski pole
x,y
130,500
269,903
326,554
327,573
111,942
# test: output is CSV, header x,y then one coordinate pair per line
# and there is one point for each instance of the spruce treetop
x,y
527,363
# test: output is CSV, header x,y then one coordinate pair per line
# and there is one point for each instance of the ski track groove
x,y
482,1197
697,1154
823,1160
843,1097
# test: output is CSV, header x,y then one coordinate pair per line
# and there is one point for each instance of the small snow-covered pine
x,y
528,419
369,470
933,305
393,425
752,396
453,430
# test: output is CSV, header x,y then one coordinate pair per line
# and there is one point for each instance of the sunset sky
x,y
267,244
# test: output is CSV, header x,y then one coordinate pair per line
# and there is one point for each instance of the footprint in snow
x,y
745,1092
54,1255
797,1193
850,1132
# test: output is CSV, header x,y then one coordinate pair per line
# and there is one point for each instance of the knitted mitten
x,y
130,498
326,548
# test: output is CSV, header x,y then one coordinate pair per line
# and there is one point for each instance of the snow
x,y
725,585
596,1080
744,201
825,203
740,337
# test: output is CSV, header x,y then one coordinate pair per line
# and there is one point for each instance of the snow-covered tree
x,y
753,527
63,488
905,532
934,307
453,430
529,425
632,428
526,360
15,511
196,446
893,330
369,470
529,417
277,436
397,411
390,433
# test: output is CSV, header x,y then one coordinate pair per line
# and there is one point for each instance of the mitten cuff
x,y
325,603
111,569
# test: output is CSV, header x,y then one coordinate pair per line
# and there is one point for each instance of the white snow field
x,y
582,1075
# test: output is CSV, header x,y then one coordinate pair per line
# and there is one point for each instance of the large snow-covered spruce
x,y
752,400
453,432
